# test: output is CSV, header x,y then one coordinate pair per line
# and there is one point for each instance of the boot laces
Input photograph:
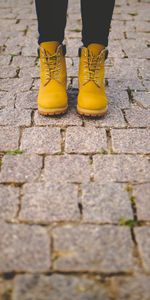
x,y
92,66
51,66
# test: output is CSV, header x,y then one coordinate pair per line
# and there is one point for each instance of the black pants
x,y
96,20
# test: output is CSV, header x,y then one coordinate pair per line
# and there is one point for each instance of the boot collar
x,y
61,47
85,50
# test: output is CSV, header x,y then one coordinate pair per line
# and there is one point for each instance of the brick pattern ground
x,y
74,192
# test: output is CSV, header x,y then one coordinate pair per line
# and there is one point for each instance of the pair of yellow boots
x,y
52,98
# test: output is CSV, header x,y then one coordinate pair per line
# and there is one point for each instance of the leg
x,y
96,19
52,97
51,19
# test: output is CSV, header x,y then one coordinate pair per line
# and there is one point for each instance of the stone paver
x,y
15,117
105,203
92,248
121,168
5,60
41,140
142,196
85,140
26,100
143,240
9,138
33,72
120,69
68,168
131,140
24,248
143,99
62,287
66,181
20,168
16,84
22,61
118,98
114,118
138,117
131,288
46,202
8,72
69,119
9,202
7,99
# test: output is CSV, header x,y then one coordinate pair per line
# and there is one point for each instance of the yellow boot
x,y
52,98
92,99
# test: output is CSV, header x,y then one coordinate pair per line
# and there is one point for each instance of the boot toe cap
x,y
92,101
53,100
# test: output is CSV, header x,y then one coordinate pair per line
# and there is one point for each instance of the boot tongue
x,y
51,47
95,49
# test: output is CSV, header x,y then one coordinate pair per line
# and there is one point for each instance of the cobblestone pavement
x,y
74,192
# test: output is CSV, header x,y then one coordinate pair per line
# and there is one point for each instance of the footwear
x,y
92,99
52,97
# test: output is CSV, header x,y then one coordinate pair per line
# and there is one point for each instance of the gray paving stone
x,y
144,69
118,98
9,138
24,248
23,61
67,168
9,201
123,69
26,100
73,45
30,47
142,99
73,66
121,168
142,196
42,140
73,82
32,72
131,288
14,44
132,84
143,240
146,83
92,248
13,49
105,203
138,117
35,84
46,202
71,119
131,140
16,84
85,140
15,117
134,49
113,118
142,26
7,99
6,287
20,168
41,287
8,72
115,49
5,60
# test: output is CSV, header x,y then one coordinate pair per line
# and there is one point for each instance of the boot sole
x,y
92,112
52,111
